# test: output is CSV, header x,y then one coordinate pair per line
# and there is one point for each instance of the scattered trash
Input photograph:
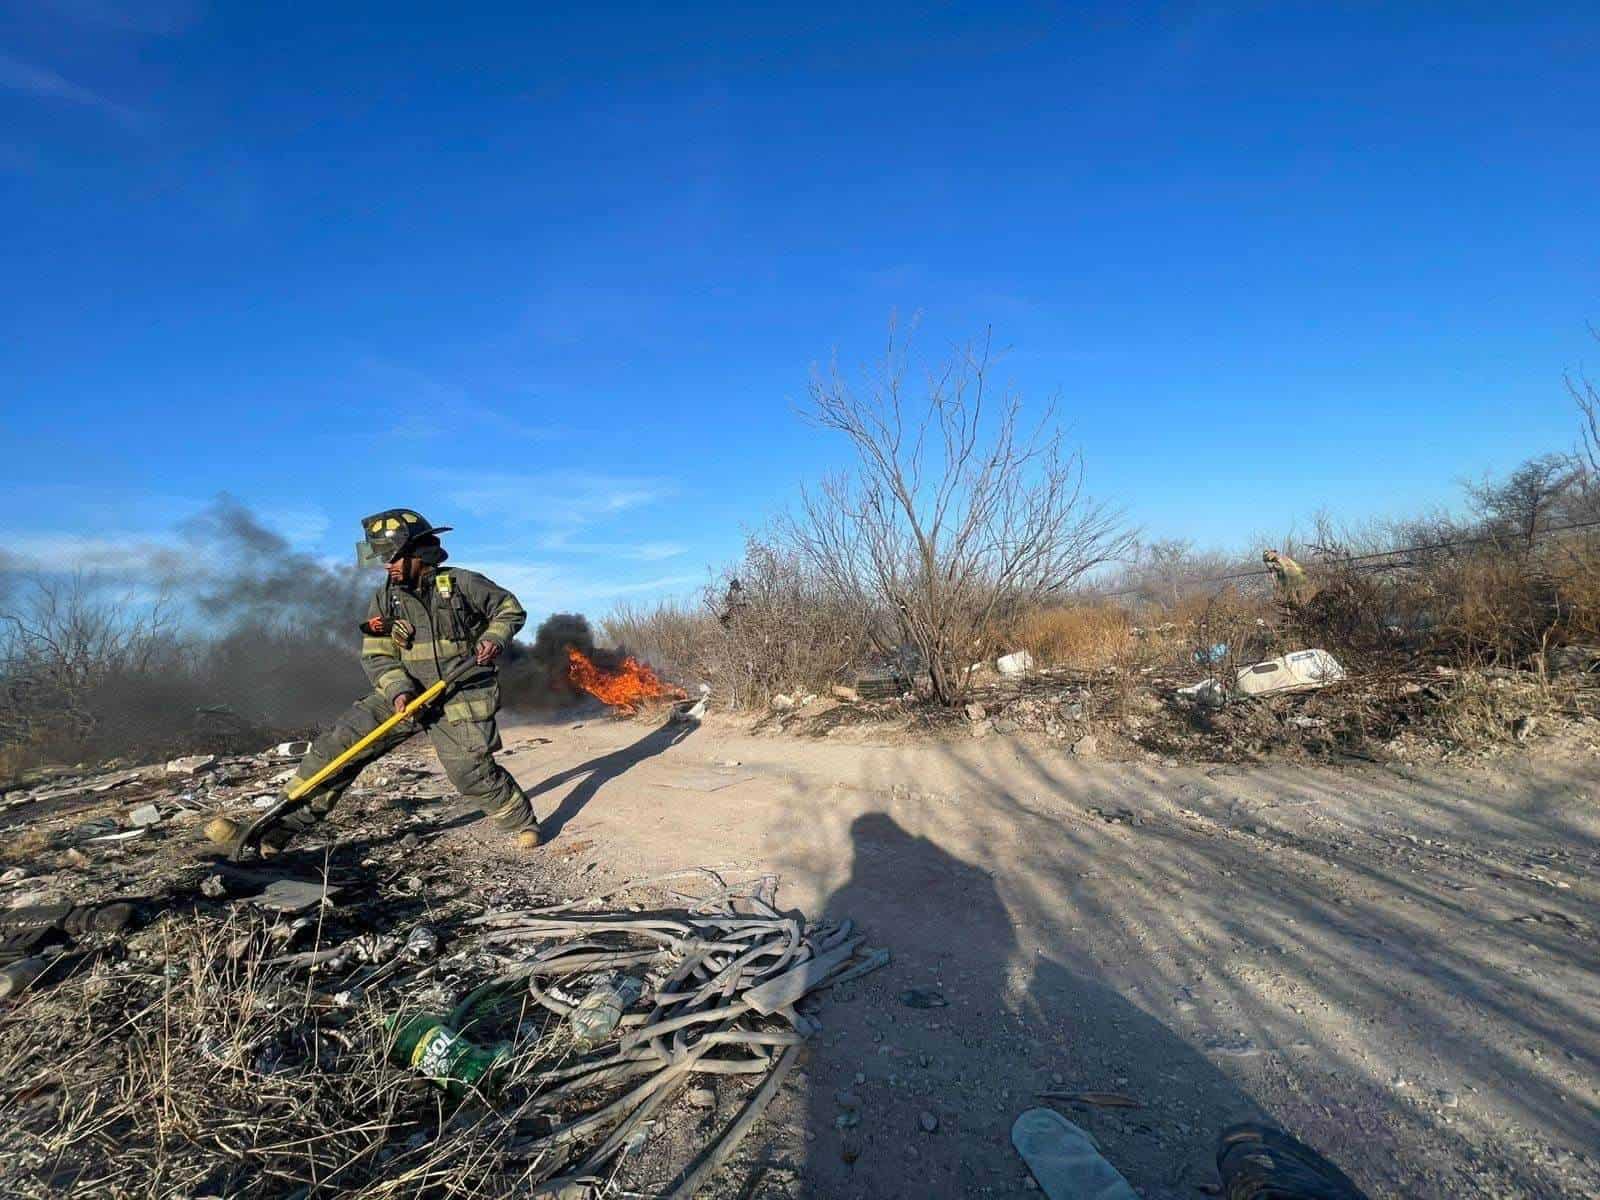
x,y
1065,1160
848,695
704,1017
976,712
922,998
291,749
124,835
1019,663
701,1098
213,888
782,702
695,711
293,895
1301,671
599,1012
431,1048
421,944
1208,693
145,814
191,764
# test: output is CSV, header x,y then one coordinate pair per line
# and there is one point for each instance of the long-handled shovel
x,y
296,793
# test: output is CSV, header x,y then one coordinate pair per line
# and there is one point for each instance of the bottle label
x,y
432,1056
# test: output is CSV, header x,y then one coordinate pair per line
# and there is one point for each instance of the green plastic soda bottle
x,y
428,1046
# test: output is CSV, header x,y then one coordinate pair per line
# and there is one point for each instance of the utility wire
x,y
1471,541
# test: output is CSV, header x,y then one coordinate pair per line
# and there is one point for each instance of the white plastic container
x,y
1019,663
1301,671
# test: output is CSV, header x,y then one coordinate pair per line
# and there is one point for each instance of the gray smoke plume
x,y
255,641
250,573
276,637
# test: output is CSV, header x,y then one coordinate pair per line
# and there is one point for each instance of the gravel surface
x,y
1397,964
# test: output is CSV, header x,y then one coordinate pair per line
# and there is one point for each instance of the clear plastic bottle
x,y
601,1010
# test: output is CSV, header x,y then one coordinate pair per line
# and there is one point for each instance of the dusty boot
x,y
1258,1162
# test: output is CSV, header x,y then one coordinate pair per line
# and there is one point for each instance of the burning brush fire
x,y
626,686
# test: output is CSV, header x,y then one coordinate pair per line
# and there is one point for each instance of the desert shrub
x,y
673,636
766,625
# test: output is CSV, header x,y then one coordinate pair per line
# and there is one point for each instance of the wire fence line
x,y
1360,558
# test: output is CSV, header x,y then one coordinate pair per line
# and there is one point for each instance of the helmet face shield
x,y
366,556
390,533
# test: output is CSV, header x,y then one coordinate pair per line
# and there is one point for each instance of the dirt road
x,y
1398,965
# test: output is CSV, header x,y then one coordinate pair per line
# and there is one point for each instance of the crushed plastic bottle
x,y
422,945
598,1013
431,1048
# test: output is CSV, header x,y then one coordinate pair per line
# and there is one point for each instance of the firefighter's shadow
x,y
598,772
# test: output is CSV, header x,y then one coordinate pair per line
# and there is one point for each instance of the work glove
x,y
401,631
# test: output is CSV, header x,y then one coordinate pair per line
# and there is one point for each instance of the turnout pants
x,y
464,736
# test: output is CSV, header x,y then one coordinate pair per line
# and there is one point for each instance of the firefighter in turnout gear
x,y
425,620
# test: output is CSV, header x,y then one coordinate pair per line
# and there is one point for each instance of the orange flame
x,y
625,687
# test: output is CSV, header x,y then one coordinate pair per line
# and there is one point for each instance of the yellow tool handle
x,y
301,786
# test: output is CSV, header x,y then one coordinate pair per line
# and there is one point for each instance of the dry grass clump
x,y
670,636
1087,636
197,1072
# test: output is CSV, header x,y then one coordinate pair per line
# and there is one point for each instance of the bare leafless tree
x,y
953,511
66,632
1520,505
1587,397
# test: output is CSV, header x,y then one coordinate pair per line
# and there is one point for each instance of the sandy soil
x,y
1399,965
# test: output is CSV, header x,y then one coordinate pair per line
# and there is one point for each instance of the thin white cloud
x,y
438,408
65,553
561,500
563,543
45,84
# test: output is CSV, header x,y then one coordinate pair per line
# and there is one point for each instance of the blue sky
x,y
558,276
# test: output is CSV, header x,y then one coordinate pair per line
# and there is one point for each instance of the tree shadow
x,y
597,772
1014,1024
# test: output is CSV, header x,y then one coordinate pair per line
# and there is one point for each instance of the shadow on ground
x,y
597,772
1014,1026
